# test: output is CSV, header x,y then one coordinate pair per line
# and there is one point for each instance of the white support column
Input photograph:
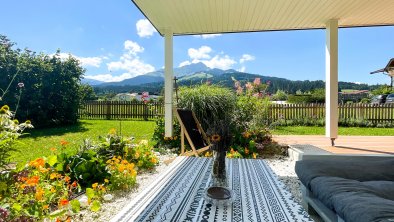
x,y
168,82
332,79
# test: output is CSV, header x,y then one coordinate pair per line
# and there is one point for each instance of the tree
x,y
50,84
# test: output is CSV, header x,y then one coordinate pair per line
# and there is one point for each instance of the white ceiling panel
x,y
186,17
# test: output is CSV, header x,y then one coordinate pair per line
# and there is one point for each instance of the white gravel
x,y
282,166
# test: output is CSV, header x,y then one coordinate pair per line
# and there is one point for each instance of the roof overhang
x,y
390,65
188,17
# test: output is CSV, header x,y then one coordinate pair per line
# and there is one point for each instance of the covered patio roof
x,y
186,17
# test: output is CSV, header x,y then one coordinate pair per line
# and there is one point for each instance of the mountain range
x,y
198,73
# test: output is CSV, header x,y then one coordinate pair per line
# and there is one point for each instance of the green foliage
x,y
382,90
123,173
52,90
209,102
316,96
319,130
169,142
10,130
280,95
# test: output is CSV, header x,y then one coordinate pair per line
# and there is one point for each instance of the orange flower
x,y
37,163
121,168
74,184
33,180
63,202
246,151
53,149
232,150
67,179
39,193
23,186
45,207
153,160
63,142
94,186
246,135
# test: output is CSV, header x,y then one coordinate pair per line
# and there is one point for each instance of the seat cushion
x,y
366,170
354,200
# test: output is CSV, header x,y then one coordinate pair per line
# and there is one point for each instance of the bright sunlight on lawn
x,y
345,131
37,142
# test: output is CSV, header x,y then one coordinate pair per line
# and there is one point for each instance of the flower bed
x,y
48,187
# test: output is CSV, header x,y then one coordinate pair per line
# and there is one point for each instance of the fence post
x,y
108,110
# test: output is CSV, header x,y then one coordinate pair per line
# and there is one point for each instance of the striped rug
x,y
178,195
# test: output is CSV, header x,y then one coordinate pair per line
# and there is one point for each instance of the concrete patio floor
x,y
344,144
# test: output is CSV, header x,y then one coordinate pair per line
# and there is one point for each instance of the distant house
x,y
133,97
354,96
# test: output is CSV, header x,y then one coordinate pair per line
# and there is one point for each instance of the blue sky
x,y
104,36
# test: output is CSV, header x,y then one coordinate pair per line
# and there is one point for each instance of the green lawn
x,y
349,131
38,142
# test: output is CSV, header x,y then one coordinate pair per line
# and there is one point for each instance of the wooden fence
x,y
120,110
375,113
139,110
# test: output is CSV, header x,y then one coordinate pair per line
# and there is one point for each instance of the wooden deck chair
x,y
195,135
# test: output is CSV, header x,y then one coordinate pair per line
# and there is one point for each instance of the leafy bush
x,y
123,173
209,102
280,95
52,91
316,96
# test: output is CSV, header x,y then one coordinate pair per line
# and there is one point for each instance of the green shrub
x,y
210,103
166,142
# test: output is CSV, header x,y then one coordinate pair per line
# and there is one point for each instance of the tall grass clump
x,y
210,103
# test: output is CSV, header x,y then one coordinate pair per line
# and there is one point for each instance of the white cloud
x,y
85,61
129,62
201,53
246,57
207,36
133,47
109,77
145,28
220,61
184,63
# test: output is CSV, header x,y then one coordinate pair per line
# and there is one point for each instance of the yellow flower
x,y
53,190
153,160
45,207
125,162
39,193
112,131
137,155
232,150
53,176
5,107
254,155
106,180
94,186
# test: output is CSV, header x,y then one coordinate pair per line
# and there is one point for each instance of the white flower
x,y
84,201
107,197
